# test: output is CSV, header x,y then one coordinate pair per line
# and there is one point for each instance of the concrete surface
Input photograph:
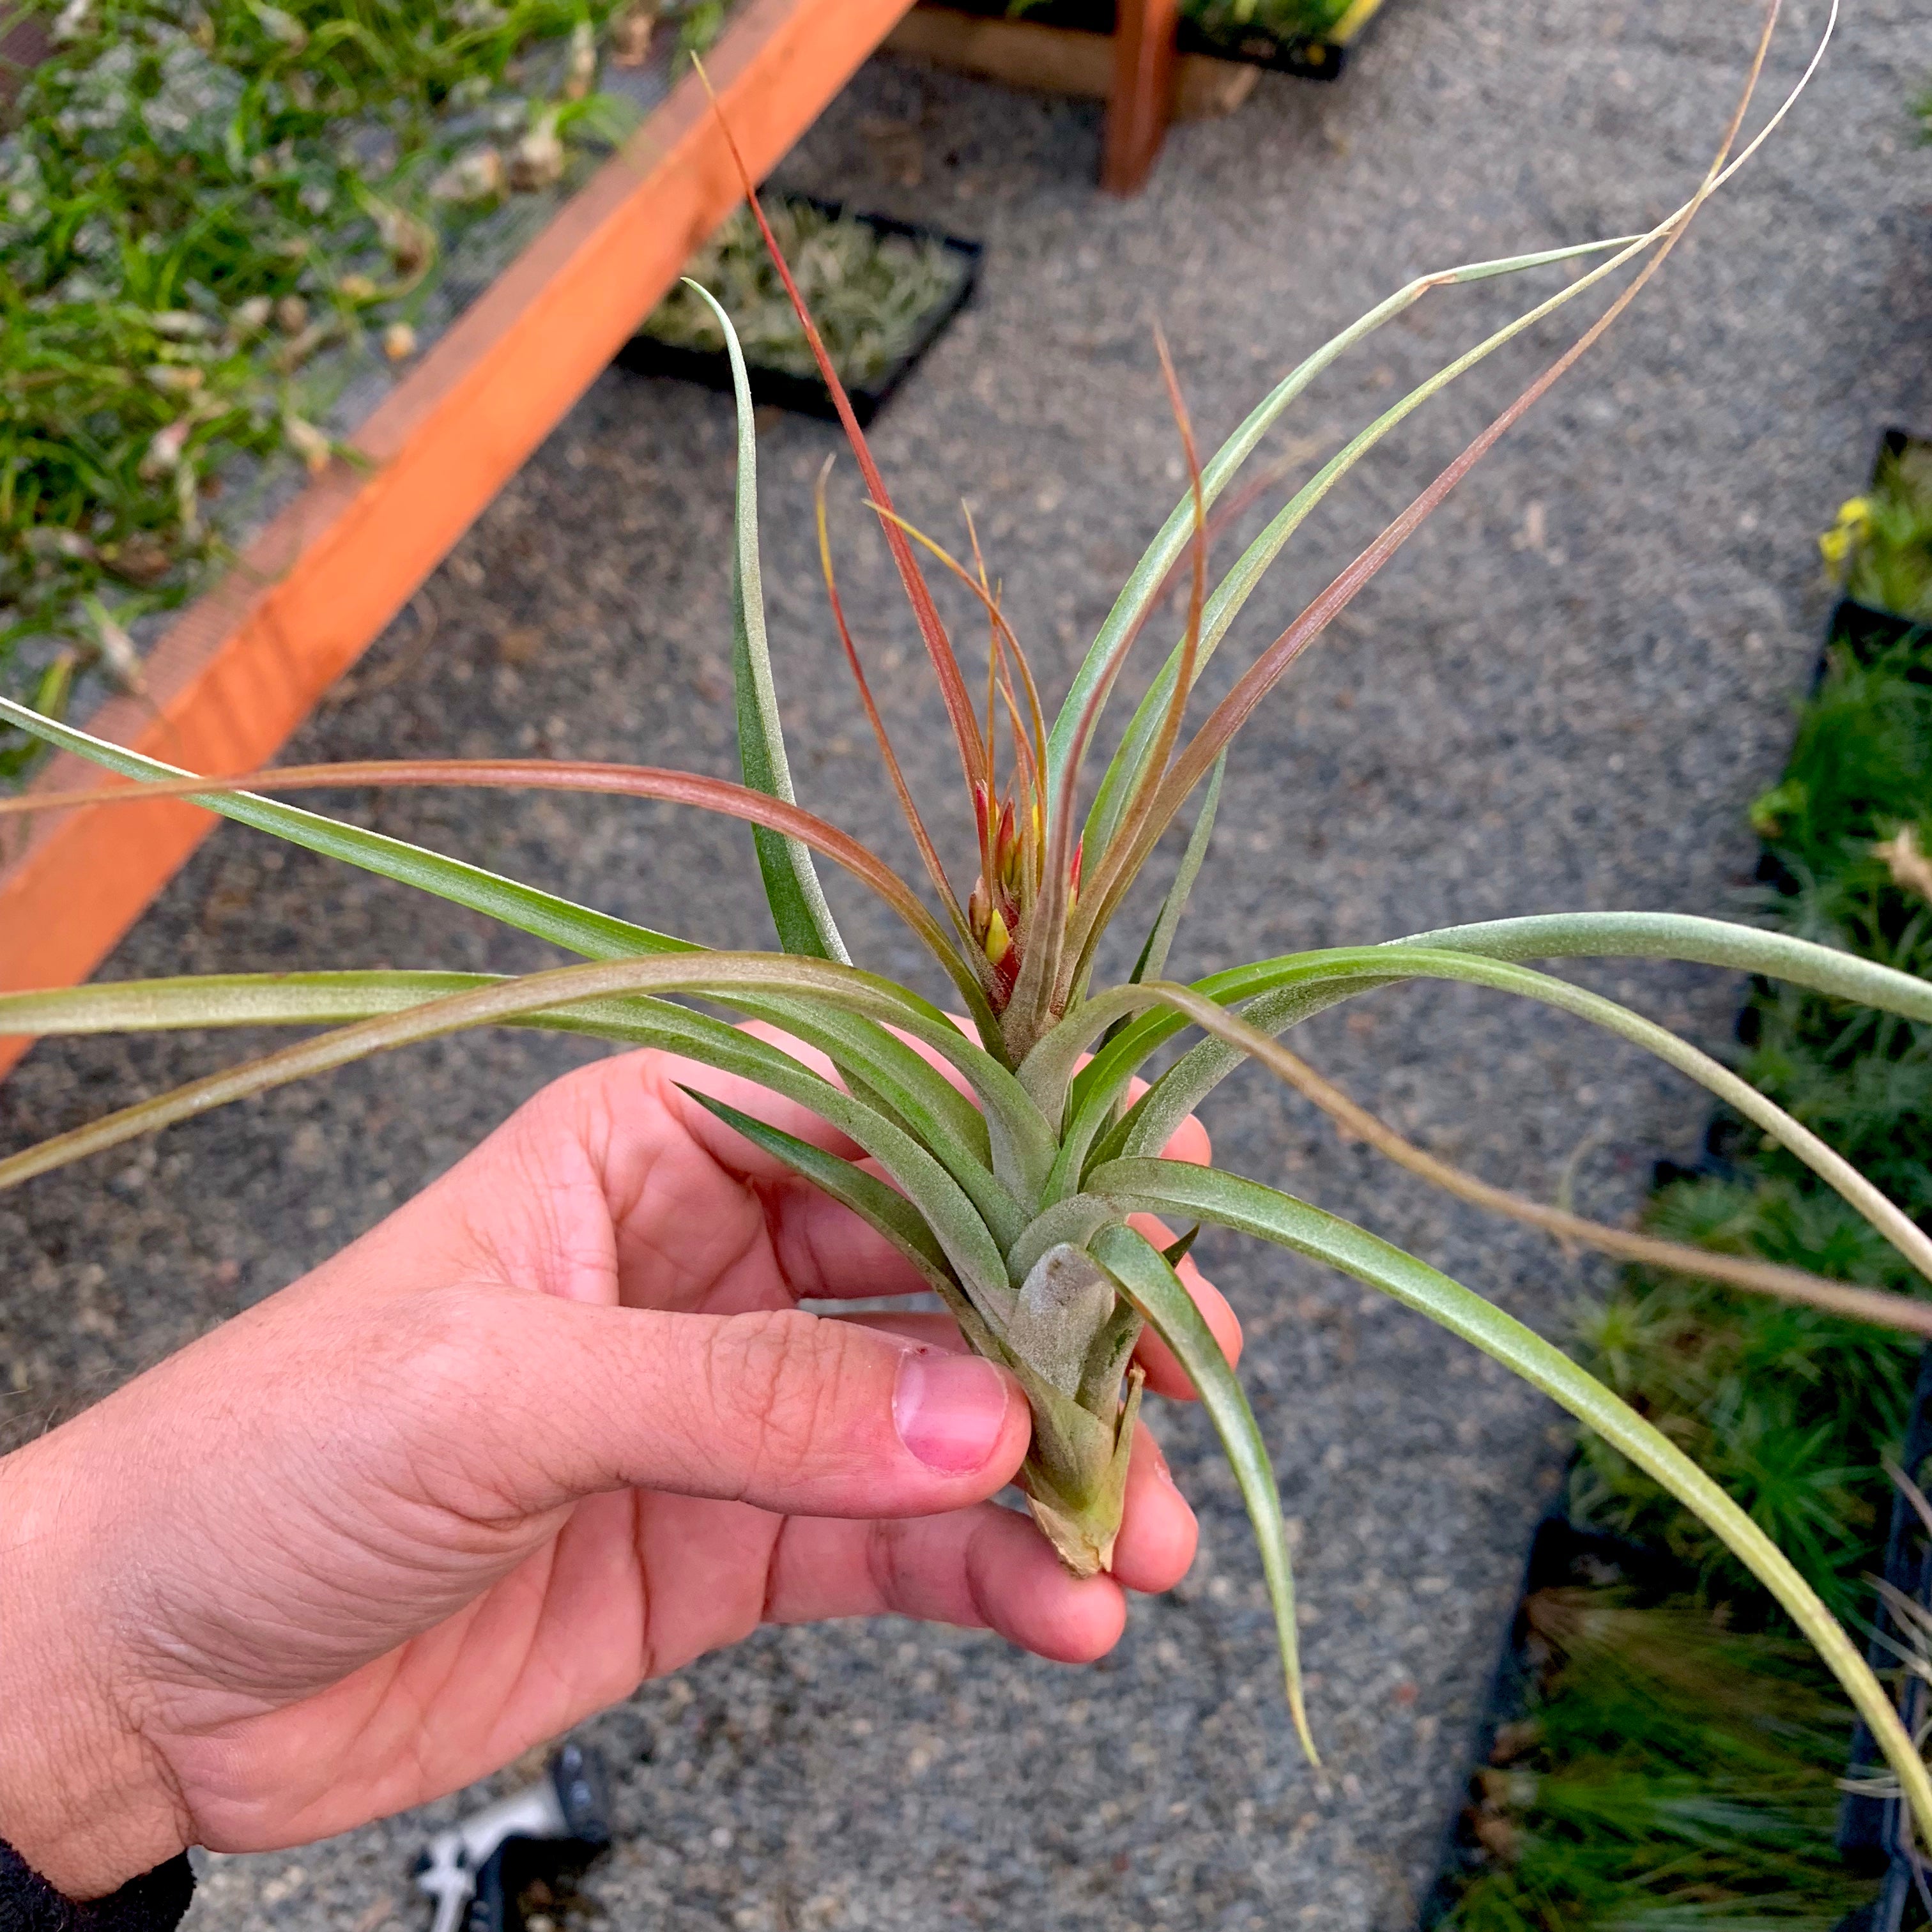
x,y
1564,695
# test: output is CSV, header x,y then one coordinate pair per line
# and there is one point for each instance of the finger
x,y
986,1568
1159,1534
1165,1374
1190,1142
827,1253
675,1179
923,1331
780,1409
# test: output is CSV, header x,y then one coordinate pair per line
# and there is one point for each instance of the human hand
x,y
555,1426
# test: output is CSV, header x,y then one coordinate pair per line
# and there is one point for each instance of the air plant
x,y
1018,1205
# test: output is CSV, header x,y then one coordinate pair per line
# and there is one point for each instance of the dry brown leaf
x,y
1911,869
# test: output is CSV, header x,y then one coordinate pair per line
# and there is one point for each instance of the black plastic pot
x,y
1874,1834
1866,629
1306,56
807,395
1562,1554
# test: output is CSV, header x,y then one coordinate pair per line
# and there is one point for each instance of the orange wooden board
x,y
243,666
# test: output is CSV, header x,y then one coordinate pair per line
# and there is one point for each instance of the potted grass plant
x,y
1878,551
1596,1799
1306,38
880,291
1018,1205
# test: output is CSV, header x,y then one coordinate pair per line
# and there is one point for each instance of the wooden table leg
x,y
1142,100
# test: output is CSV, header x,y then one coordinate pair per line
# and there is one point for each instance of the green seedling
x,y
1017,1210
202,208
868,293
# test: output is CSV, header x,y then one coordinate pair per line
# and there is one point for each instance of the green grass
x,y
197,197
1791,1408
1675,1773
1880,548
1226,19
1285,20
1669,1774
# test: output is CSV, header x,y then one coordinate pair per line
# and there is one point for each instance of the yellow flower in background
x,y
1837,543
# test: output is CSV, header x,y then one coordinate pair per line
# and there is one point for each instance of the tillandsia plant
x,y
1018,1205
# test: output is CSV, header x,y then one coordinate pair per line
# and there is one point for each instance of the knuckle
x,y
786,1377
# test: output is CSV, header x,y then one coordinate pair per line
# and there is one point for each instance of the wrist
x,y
84,1800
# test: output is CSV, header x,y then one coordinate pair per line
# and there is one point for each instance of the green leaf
x,y
595,935
882,1069
1290,981
1207,1194
1152,962
792,888
849,1019
1137,593
882,1207
272,999
1143,1275
969,1246
1703,942
1077,1219
709,794
1175,1252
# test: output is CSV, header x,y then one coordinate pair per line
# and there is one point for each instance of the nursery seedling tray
x,y
1875,1834
1561,1553
242,667
645,355
1869,628
1306,56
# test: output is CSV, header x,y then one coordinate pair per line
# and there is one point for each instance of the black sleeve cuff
x,y
154,1902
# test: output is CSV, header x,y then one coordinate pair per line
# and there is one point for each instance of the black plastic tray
x,y
806,395
1306,56
1874,1834
1872,1837
1562,1552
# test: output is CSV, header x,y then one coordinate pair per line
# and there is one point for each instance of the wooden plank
x,y
1058,60
244,665
1143,91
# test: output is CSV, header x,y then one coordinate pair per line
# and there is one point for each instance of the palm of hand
x,y
462,1556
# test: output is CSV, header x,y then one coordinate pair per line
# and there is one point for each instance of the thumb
x,y
781,1409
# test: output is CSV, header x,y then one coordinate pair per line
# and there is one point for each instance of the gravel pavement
x,y
1564,694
